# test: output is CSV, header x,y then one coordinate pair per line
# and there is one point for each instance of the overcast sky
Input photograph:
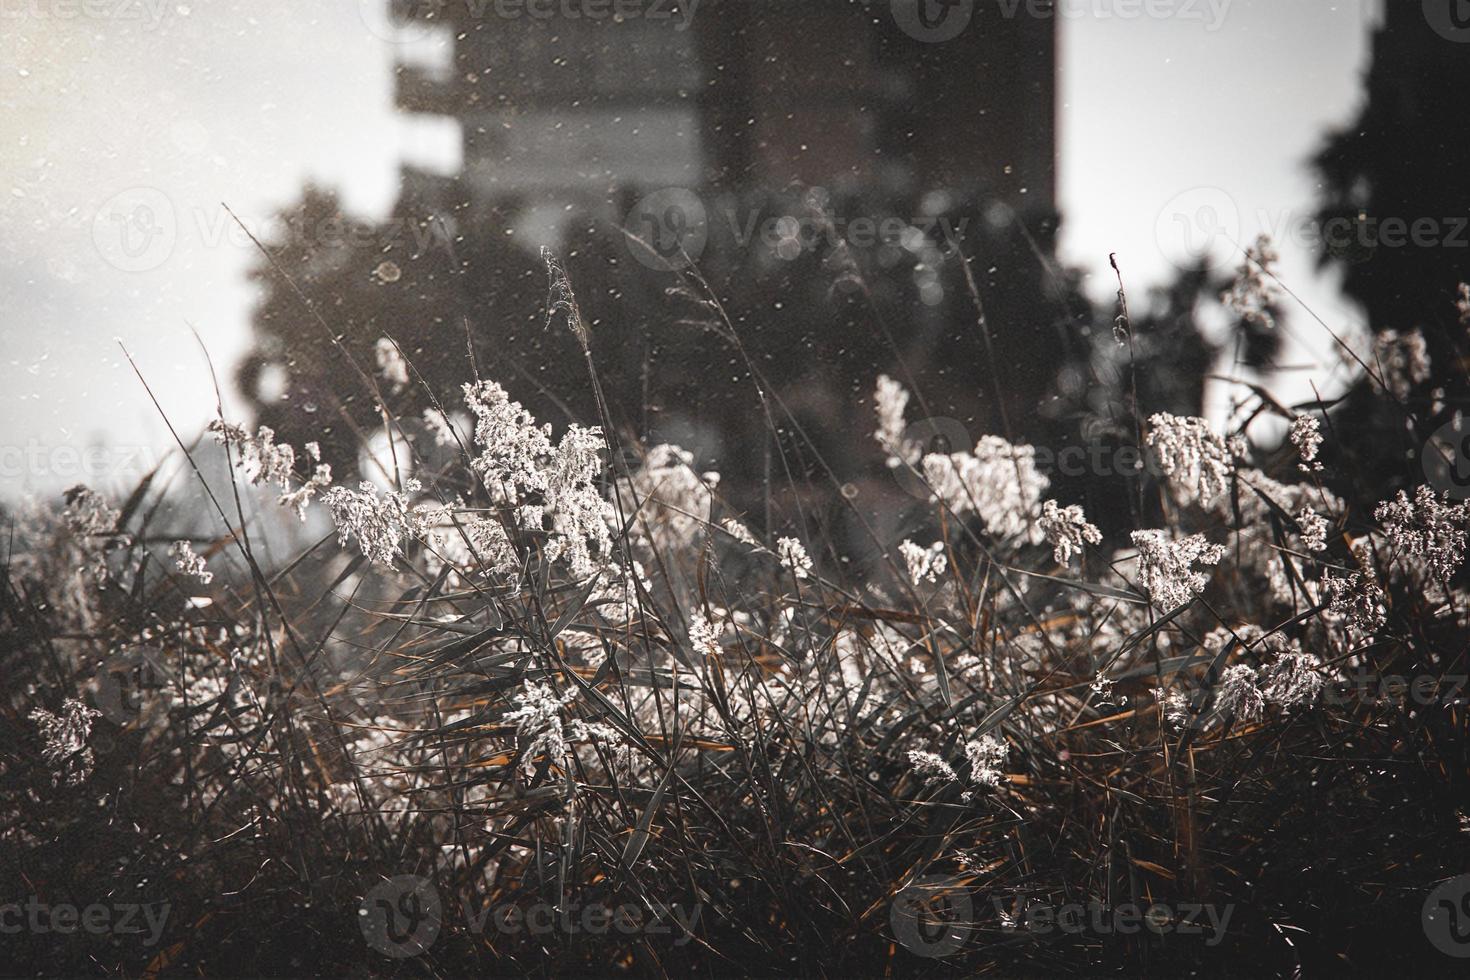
x,y
125,123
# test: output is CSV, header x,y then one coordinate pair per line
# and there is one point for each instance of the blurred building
x,y
827,110
566,112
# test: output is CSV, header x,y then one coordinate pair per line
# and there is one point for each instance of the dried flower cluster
x,y
541,731
739,532
891,402
1401,362
924,564
1198,462
985,755
1290,680
1426,528
793,555
1294,678
1067,529
380,522
561,680
1355,600
998,481
703,636
931,766
1166,565
1314,529
440,427
188,563
1253,294
1306,436
391,365
87,512
672,499
64,736
519,464
264,462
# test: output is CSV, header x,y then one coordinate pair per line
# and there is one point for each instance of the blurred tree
x,y
1395,219
811,320
1162,353
335,285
